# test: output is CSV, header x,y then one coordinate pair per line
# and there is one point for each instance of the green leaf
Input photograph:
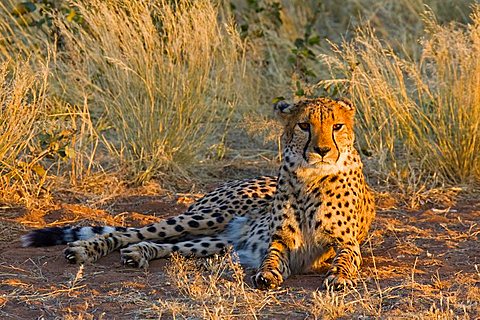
x,y
300,92
310,73
244,30
314,40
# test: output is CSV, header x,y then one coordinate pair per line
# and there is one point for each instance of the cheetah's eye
x,y
304,126
337,126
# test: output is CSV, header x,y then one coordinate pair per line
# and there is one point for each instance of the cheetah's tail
x,y
63,235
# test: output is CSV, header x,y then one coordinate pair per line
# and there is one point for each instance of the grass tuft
x,y
417,117
166,77
22,103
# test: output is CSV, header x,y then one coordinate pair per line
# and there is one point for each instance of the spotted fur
x,y
319,208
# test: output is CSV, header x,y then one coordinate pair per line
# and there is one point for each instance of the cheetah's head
x,y
318,132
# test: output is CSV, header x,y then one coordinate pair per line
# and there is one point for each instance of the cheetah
x,y
317,211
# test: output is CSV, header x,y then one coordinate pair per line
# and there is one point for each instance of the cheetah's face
x,y
318,132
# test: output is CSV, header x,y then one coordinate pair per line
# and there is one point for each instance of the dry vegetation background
x,y
103,98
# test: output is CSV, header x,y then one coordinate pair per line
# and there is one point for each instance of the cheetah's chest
x,y
329,211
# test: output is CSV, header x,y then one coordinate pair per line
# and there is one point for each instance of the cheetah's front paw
x,y
338,281
77,252
267,280
133,256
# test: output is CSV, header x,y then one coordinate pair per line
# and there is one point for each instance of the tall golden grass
x,y
161,81
418,116
152,89
22,103
168,78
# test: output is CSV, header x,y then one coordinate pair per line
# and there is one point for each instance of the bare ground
x,y
421,264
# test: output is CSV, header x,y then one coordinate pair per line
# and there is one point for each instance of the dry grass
x,y
115,92
163,76
131,84
150,79
22,103
217,291
419,118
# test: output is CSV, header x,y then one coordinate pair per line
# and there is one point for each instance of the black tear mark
x,y
336,146
307,144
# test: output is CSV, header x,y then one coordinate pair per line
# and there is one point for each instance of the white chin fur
x,y
315,165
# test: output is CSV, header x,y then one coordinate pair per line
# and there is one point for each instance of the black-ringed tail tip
x,y
53,236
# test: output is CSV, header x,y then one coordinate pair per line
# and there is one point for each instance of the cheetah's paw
x,y
338,281
266,280
77,252
133,256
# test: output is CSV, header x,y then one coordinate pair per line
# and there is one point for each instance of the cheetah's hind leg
x,y
138,255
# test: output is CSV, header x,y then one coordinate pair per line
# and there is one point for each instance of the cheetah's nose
x,y
322,151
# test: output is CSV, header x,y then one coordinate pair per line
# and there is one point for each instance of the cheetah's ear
x,y
283,106
285,110
346,103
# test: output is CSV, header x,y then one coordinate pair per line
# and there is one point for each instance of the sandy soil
x,y
417,264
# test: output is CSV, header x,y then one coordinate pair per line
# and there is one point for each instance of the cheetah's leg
x,y
345,267
86,251
138,255
275,266
323,263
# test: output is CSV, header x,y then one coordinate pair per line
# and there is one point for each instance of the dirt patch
x,y
417,265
